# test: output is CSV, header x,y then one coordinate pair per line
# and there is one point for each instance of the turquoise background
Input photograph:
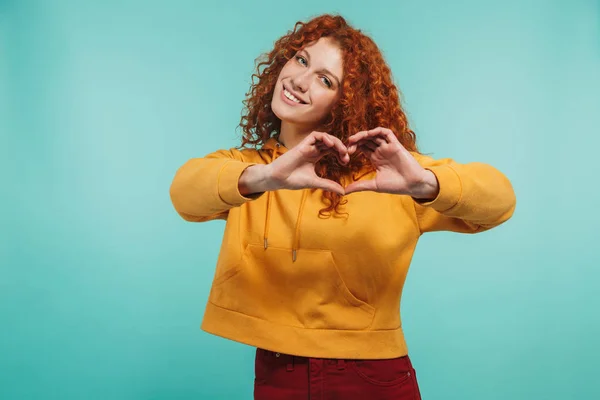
x,y
103,286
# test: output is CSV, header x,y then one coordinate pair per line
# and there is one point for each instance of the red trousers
x,y
282,376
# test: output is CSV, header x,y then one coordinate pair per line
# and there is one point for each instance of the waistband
x,y
292,360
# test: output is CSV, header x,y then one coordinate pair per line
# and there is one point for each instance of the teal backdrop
x,y
103,286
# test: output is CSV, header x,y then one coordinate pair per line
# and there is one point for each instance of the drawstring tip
x,y
265,243
294,255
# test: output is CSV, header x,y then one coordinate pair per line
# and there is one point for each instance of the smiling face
x,y
309,85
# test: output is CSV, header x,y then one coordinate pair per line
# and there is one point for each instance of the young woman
x,y
325,200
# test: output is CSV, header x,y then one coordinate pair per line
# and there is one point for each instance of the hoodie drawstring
x,y
268,216
266,233
296,239
297,231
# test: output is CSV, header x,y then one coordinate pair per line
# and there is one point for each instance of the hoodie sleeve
x,y
206,188
473,197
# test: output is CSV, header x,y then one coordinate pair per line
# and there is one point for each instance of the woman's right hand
x,y
295,169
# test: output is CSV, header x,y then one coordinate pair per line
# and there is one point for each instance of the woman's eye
x,y
326,81
301,60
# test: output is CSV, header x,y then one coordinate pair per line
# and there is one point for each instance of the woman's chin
x,y
289,116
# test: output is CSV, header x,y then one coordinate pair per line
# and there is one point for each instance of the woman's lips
x,y
289,101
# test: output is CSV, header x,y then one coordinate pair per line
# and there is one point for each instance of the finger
x,y
329,151
357,137
333,142
357,147
371,145
361,186
366,144
386,133
322,138
366,135
342,158
379,141
321,146
339,146
324,141
317,138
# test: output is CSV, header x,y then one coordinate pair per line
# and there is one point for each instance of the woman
x,y
325,201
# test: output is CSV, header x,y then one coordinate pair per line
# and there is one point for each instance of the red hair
x,y
368,98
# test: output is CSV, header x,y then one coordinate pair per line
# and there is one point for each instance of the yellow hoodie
x,y
289,281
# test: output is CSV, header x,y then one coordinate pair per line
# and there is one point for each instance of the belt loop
x,y
341,364
290,364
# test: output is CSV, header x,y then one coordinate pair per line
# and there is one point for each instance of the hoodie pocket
x,y
308,293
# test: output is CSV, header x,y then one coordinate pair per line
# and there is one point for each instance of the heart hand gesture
x,y
398,172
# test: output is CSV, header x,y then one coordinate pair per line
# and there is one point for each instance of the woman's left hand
x,y
398,172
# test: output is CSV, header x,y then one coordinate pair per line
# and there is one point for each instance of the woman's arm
x,y
472,197
207,188
254,181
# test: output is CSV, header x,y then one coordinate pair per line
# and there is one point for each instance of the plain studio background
x,y
103,285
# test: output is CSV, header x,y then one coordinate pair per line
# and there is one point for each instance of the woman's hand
x,y
295,169
398,172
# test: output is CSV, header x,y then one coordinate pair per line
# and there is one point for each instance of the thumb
x,y
361,186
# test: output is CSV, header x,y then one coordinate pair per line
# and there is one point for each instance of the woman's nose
x,y
300,82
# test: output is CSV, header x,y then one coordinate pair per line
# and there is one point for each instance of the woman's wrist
x,y
427,189
255,179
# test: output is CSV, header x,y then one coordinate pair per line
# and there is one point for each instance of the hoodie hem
x,y
304,342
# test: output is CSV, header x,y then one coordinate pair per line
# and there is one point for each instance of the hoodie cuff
x,y
228,182
450,189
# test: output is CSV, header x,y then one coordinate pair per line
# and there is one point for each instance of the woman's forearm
x,y
255,179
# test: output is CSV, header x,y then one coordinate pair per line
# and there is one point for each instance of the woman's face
x,y
309,84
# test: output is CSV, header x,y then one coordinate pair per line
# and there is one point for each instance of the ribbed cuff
x,y
450,189
228,182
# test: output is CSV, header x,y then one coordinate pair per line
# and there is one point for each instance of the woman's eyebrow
x,y
323,69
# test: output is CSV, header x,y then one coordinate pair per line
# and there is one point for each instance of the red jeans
x,y
282,376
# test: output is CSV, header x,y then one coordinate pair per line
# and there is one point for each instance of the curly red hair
x,y
368,98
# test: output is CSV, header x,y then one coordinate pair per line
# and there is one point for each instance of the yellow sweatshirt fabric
x,y
290,281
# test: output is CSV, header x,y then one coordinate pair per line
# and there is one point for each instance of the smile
x,y
291,99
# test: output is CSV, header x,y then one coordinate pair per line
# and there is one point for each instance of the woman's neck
x,y
290,134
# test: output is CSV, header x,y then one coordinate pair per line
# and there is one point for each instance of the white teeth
x,y
290,96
